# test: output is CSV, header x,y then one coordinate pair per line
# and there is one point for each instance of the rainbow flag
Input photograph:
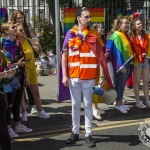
x,y
120,50
98,15
3,15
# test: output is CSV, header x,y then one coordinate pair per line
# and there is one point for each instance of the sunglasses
x,y
21,30
14,27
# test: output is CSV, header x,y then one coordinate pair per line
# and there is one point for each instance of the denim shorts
x,y
145,65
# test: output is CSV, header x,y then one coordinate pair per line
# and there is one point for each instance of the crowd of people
x,y
17,46
85,56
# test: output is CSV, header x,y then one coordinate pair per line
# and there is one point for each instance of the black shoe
x,y
73,138
89,141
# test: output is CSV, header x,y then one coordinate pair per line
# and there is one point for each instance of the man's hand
x,y
65,81
102,81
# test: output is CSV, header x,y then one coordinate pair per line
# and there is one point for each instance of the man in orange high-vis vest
x,y
82,54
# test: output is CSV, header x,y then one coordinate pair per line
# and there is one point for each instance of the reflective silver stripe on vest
x,y
88,65
74,64
91,54
73,53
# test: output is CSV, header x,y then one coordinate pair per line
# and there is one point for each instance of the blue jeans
x,y
120,82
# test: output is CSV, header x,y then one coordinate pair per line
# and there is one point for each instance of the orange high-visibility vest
x,y
82,63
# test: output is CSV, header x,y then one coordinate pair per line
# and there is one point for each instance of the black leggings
x,y
14,101
30,97
5,141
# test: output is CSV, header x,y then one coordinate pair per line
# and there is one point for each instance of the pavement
x,y
60,112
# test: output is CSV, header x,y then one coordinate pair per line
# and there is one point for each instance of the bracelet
x,y
102,77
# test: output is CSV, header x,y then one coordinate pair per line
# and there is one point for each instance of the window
x,y
25,2
41,3
10,12
11,2
41,13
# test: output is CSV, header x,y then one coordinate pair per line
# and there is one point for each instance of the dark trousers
x,y
5,141
120,82
30,97
14,101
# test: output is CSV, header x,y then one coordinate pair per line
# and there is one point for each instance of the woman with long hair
x,y
19,17
141,62
31,70
15,56
119,47
97,111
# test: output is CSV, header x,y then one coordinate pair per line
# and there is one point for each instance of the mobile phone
x,y
27,60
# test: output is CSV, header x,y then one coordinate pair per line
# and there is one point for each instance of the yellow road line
x,y
82,126
117,126
116,122
94,129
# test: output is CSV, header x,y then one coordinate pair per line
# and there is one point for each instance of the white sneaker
x,y
140,105
126,107
96,114
22,128
121,109
33,110
42,114
12,133
101,111
24,116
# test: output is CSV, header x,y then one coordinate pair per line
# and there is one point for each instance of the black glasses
x,y
21,30
14,27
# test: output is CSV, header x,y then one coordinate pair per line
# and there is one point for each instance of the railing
x,y
36,9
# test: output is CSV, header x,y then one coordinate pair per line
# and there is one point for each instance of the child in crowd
x,y
14,54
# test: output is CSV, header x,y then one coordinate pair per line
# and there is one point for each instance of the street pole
x,y
57,29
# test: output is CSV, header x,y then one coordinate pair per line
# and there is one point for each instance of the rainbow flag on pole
x,y
120,50
3,19
98,15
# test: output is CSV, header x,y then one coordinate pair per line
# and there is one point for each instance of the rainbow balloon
x,y
97,14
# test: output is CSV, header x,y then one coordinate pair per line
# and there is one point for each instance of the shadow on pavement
x,y
133,140
41,144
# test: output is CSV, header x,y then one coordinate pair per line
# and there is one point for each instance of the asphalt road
x,y
115,131
121,134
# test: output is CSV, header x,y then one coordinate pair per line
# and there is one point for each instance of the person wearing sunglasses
x,y
31,70
19,17
14,55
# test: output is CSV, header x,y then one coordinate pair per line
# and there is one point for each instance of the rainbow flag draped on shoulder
x,y
120,50
95,44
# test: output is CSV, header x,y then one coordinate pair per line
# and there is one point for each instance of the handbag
x,y
11,86
8,88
